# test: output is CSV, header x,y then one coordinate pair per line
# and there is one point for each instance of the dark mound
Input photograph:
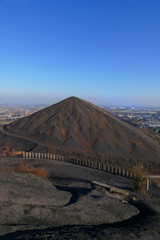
x,y
77,126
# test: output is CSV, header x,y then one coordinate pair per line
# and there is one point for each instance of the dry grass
x,y
26,168
5,151
30,169
16,153
140,178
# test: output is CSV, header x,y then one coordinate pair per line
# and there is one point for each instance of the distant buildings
x,y
10,113
137,116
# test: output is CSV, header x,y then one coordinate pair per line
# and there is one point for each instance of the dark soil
x,y
80,210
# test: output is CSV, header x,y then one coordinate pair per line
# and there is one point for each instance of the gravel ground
x,y
68,206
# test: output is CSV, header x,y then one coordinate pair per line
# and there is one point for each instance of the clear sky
x,y
104,51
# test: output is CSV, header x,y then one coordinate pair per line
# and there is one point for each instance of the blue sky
x,y
104,51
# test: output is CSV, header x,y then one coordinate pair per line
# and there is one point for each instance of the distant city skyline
x,y
106,52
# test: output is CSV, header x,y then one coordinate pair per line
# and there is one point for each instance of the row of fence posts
x,y
81,162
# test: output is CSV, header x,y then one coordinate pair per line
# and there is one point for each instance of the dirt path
x,y
11,133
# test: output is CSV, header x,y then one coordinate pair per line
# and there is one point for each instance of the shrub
x,y
26,168
140,178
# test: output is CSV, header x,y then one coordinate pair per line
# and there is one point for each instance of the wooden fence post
x,y
91,164
108,169
126,173
123,172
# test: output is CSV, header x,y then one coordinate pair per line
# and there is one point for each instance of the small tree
x,y
140,178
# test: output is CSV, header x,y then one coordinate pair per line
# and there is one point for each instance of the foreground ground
x,y
69,206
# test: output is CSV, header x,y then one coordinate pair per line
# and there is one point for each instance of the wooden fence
x,y
80,162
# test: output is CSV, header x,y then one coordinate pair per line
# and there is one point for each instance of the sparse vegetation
x,y
5,151
140,178
26,168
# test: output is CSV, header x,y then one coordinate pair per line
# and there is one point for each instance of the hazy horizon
x,y
96,101
106,52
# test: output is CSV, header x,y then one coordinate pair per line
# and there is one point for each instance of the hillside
x,y
78,127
